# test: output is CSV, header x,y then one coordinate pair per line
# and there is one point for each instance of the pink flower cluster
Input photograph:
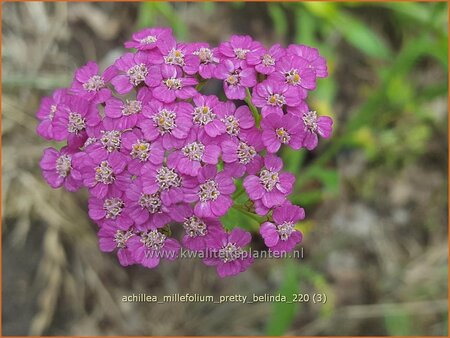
x,y
154,151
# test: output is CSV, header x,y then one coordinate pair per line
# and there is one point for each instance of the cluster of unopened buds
x,y
155,153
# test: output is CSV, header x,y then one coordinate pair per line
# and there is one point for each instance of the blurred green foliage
x,y
392,125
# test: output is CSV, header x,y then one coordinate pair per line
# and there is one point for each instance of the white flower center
x,y
245,153
165,121
230,253
148,40
175,57
153,239
241,53
167,178
310,120
173,83
95,83
194,227
63,165
131,107
51,113
111,140
231,125
205,55
276,100
208,191
283,135
140,150
137,74
268,60
293,77
113,207
121,237
268,179
233,78
194,151
104,173
203,115
76,123
285,230
151,202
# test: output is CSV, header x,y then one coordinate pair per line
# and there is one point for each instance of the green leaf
x,y
399,325
326,10
151,12
238,217
293,160
279,20
305,27
306,198
283,313
209,7
360,36
168,11
351,28
233,218
146,15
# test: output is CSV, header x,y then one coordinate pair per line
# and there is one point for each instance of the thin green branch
x,y
253,109
251,215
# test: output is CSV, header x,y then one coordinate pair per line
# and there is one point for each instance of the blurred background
x,y
375,194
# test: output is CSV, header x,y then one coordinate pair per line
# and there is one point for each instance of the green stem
x,y
200,85
238,193
242,209
253,109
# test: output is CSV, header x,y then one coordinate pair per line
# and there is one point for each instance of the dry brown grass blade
x,y
50,272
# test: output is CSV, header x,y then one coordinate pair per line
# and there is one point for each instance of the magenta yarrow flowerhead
x,y
238,49
211,192
314,125
272,97
208,59
141,151
111,209
103,175
264,60
155,152
90,85
58,171
147,210
236,79
270,185
129,111
148,38
204,115
73,119
197,230
281,235
47,110
169,123
226,252
111,238
166,180
240,157
169,83
235,120
108,139
279,130
199,150
177,54
150,246
133,71
295,72
315,61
